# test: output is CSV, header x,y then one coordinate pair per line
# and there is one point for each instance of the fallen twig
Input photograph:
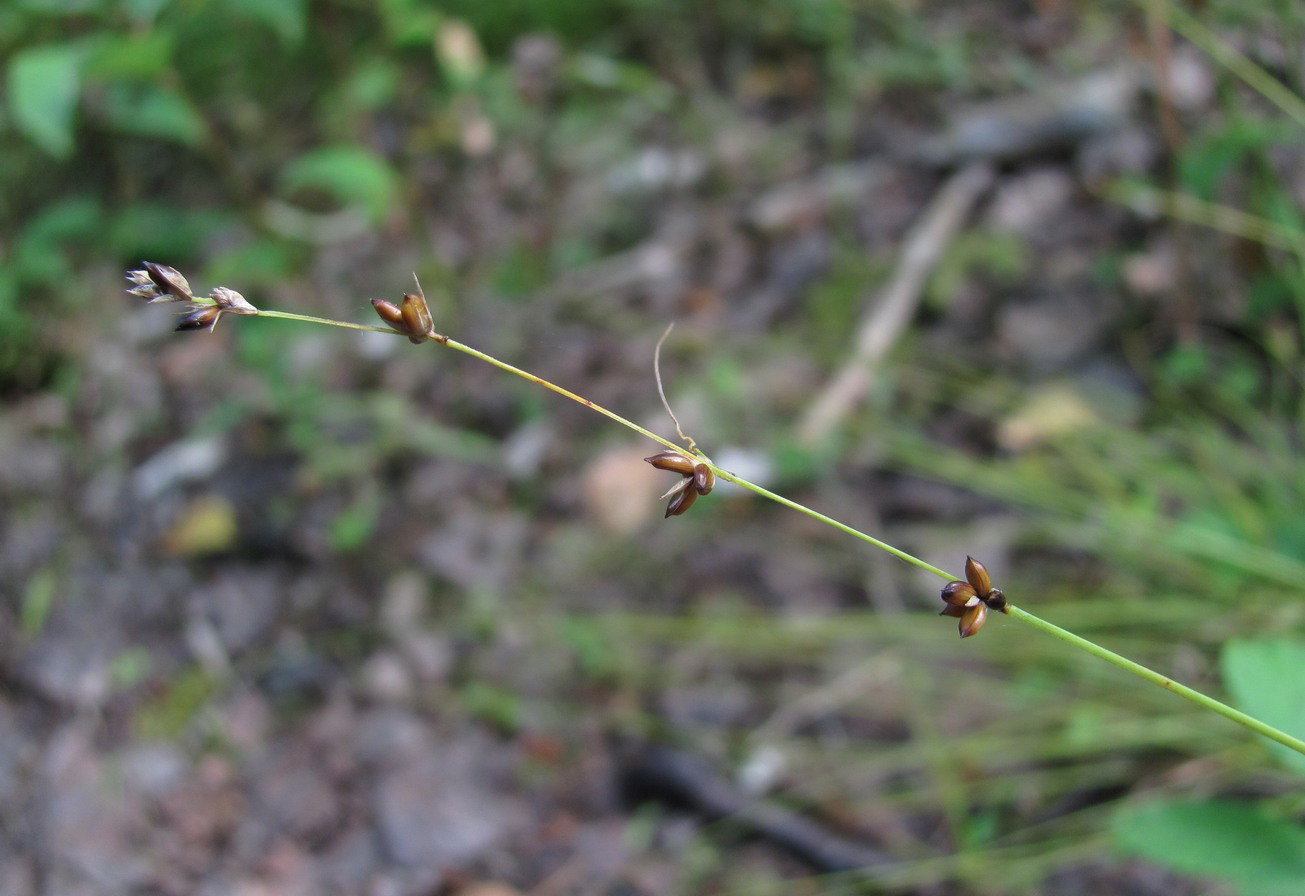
x,y
680,777
888,315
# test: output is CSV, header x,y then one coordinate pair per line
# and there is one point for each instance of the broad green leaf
x,y
44,84
1232,841
146,55
351,175
152,110
408,23
1265,678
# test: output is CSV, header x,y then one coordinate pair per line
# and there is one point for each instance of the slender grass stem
x,y
309,319
1011,610
1237,62
1156,678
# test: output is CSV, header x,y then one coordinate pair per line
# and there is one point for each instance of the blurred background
x,y
298,610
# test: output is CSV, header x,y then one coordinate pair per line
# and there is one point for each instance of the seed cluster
x,y
160,283
412,318
698,479
971,600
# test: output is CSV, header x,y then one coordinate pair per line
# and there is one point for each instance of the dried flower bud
x,y
978,576
672,461
416,318
231,302
681,502
973,619
201,318
159,283
703,478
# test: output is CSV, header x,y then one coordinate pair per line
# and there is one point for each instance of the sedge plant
x,y
969,599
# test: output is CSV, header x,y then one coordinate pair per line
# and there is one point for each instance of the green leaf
x,y
1222,839
408,23
1265,679
350,175
152,110
44,84
287,18
147,55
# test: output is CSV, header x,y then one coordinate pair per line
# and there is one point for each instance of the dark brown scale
x,y
681,502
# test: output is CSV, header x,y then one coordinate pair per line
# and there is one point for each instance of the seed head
x,y
698,479
970,601
412,319
159,283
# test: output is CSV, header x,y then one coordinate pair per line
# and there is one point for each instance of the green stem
x,y
720,473
1156,678
1055,631
1232,59
830,521
309,319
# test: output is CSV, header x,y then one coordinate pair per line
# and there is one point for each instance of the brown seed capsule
x,y
202,318
390,313
703,478
673,461
959,594
973,619
682,501
416,317
977,573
